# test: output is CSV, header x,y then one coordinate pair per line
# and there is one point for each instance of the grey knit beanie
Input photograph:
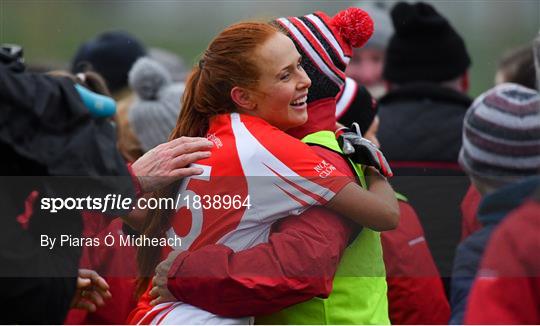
x,y
382,24
501,133
174,64
154,112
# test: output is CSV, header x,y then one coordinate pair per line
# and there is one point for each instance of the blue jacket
x,y
492,210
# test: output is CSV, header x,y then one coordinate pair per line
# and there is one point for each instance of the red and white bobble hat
x,y
326,45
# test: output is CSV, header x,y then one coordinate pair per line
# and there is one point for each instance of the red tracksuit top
x,y
301,257
507,288
250,158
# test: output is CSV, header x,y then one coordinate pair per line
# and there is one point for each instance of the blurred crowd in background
x,y
176,25
448,91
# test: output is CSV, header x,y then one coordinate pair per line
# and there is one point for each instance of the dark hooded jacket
x,y
51,144
420,135
493,209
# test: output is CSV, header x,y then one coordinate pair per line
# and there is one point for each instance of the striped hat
x,y
355,104
326,44
501,133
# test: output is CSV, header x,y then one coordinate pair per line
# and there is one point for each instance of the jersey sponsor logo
x,y
215,139
324,169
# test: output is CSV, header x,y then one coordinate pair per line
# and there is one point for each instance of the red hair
x,y
229,61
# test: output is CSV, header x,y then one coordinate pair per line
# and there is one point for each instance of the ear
x,y
242,98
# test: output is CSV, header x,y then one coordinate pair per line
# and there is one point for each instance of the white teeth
x,y
300,101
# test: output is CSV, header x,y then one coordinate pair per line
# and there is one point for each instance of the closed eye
x,y
286,73
285,76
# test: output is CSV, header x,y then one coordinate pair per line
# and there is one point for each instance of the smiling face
x,y
281,94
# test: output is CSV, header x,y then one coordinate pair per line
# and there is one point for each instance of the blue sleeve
x,y
468,256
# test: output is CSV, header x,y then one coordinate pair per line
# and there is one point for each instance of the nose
x,y
304,81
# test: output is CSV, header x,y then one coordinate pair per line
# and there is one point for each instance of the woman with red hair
x,y
248,89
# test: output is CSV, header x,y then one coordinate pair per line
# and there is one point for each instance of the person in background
x,y
366,66
516,66
507,289
56,126
354,103
111,54
469,212
173,63
153,109
415,291
47,130
152,117
421,121
89,79
501,155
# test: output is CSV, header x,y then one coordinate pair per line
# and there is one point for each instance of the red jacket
x,y
469,210
118,266
415,290
507,289
299,263
105,261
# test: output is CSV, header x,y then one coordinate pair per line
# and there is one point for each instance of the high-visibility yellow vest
x,y
359,288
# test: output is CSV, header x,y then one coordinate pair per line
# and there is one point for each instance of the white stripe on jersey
x,y
271,196
272,188
264,162
182,313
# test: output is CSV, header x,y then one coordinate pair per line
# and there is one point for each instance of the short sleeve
x,y
307,177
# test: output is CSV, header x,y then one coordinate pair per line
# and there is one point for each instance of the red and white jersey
x,y
272,175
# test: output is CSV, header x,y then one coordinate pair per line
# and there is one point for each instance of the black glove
x,y
362,151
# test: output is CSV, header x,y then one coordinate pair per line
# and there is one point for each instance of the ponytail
x,y
228,62
192,121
